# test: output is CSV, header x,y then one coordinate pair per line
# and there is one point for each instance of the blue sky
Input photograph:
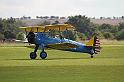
x,y
90,8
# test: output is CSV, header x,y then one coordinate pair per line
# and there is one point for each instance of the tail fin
x,y
94,42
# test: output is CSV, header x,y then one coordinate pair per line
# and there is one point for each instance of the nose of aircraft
x,y
31,37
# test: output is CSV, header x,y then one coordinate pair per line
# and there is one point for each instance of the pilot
x,y
61,36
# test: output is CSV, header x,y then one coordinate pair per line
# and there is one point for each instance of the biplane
x,y
39,35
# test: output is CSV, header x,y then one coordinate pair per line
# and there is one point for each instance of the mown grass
x,y
62,74
16,66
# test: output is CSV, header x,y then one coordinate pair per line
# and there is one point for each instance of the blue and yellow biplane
x,y
39,35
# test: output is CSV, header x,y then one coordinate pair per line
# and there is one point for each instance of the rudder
x,y
96,45
94,42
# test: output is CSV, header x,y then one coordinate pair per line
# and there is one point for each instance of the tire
x,y
91,56
33,55
43,55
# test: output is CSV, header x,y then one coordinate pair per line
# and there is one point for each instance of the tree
x,y
1,36
81,23
114,29
69,35
105,28
1,26
120,35
9,35
108,35
121,26
122,17
9,27
99,34
81,36
20,36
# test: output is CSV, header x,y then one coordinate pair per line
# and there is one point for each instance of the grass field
x,y
60,66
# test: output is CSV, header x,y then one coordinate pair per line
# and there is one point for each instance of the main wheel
x,y
43,55
33,55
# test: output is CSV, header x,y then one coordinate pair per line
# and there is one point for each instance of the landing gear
x,y
43,54
91,55
33,55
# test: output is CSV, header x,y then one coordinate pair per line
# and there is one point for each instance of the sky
x,y
33,8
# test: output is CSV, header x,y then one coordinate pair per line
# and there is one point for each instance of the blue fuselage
x,y
45,39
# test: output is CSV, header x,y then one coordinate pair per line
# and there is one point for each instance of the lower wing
x,y
59,46
62,46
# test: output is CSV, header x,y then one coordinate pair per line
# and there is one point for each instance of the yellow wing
x,y
47,28
33,29
59,27
62,46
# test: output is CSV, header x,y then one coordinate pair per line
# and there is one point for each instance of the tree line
x,y
84,29
9,28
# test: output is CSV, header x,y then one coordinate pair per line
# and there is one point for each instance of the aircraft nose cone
x,y
31,37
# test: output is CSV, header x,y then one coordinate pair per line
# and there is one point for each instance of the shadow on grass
x,y
51,59
104,57
65,58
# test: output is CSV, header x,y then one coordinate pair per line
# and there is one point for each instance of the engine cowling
x,y
31,37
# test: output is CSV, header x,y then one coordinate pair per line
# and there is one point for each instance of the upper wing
x,y
59,27
33,29
47,28
62,46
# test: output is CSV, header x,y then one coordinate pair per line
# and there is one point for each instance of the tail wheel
x,y
43,55
33,55
91,56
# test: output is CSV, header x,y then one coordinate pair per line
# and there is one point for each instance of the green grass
x,y
60,66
